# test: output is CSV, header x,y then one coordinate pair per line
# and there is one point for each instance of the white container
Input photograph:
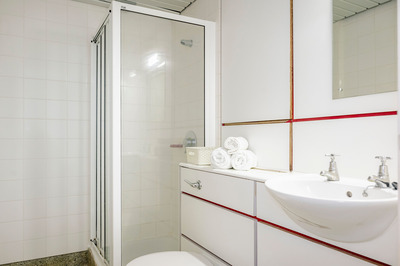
x,y
199,155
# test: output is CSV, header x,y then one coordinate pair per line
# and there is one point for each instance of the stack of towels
x,y
234,154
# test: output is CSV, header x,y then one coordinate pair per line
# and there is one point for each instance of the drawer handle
x,y
196,184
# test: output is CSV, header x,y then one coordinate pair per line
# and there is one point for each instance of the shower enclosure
x,y
154,80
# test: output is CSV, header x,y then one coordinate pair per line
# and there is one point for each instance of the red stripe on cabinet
x,y
219,205
348,252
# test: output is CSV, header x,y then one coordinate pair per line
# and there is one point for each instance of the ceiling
x,y
171,5
346,8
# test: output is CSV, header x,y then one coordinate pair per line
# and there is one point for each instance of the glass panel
x,y
103,141
162,79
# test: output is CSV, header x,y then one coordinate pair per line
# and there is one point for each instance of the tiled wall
x,y
357,140
44,121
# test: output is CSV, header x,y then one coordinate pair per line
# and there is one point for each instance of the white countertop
x,y
253,174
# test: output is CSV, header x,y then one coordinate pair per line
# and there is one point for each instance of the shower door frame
x,y
209,106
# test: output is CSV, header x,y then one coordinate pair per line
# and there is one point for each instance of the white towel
x,y
244,160
234,144
220,159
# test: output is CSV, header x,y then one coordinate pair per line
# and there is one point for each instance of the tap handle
x,y
383,159
332,156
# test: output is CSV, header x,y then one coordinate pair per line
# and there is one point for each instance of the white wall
x,y
44,121
356,140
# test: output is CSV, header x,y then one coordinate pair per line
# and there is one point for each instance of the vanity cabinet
x,y
233,219
208,217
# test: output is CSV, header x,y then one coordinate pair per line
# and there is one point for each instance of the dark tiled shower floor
x,y
73,259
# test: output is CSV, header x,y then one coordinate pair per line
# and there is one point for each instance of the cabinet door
x,y
255,60
276,247
224,233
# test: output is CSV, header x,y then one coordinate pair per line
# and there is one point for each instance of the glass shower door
x,y
162,98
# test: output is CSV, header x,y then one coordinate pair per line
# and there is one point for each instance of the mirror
x,y
364,47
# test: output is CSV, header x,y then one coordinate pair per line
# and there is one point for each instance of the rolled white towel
x,y
220,159
234,144
244,160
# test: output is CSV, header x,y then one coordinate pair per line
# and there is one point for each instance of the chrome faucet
x,y
332,174
381,180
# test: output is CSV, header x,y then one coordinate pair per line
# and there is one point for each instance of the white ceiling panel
x,y
346,8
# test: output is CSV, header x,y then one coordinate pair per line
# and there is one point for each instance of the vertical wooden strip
x,y
291,89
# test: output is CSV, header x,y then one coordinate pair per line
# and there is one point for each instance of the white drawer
x,y
231,192
190,246
226,234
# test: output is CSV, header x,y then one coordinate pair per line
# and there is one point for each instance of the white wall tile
x,y
34,68
78,129
34,88
34,209
57,206
78,73
11,7
357,140
34,188
56,148
78,204
11,108
11,25
269,142
35,29
34,109
78,91
56,90
56,109
56,245
56,168
56,129
56,226
56,71
11,251
34,249
78,223
78,241
11,66
77,35
56,12
11,87
77,16
56,51
34,229
34,168
56,32
35,149
11,45
11,211
11,128
78,110
56,187
78,54
78,148
34,129
35,9
35,49
11,232
11,149
10,169
11,190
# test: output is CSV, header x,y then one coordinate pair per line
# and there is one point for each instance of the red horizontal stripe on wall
x,y
345,116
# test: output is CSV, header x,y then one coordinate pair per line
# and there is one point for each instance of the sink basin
x,y
336,210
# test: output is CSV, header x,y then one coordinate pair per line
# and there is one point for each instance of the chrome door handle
x,y
196,184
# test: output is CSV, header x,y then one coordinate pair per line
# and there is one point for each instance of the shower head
x,y
188,43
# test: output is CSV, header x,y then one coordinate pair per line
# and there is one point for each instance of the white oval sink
x,y
335,210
